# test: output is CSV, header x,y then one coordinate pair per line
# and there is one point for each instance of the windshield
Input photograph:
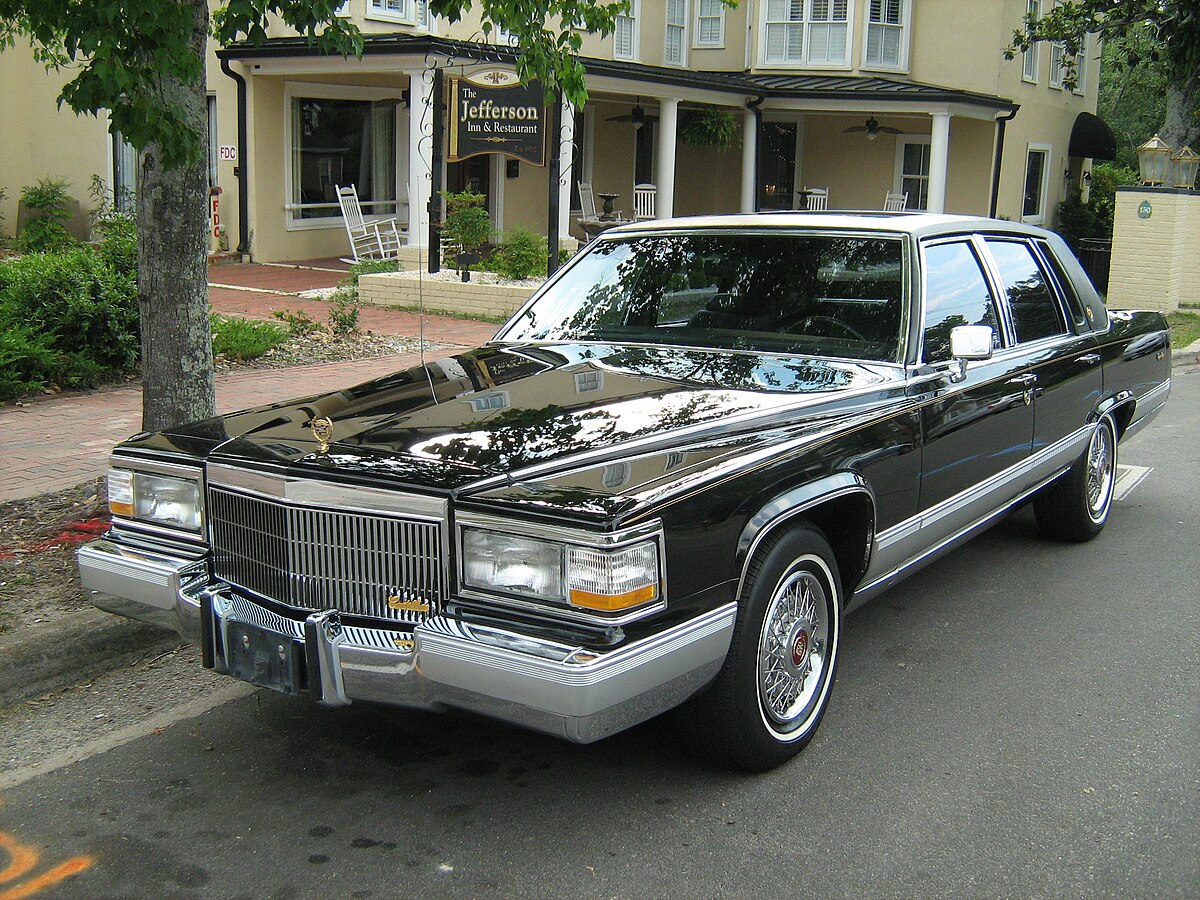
x,y
818,295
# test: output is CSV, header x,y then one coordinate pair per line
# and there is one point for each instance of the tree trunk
x,y
172,207
1180,127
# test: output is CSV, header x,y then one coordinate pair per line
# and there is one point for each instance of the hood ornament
x,y
322,430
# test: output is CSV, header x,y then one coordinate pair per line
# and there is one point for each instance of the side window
x,y
1078,315
1035,312
956,293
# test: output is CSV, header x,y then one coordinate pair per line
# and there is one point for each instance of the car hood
x,y
499,410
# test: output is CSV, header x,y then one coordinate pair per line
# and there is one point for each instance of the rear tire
x,y
1076,506
774,687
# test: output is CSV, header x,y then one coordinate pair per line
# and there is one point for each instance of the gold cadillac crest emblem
x,y
322,430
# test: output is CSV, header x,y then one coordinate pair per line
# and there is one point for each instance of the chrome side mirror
x,y
968,342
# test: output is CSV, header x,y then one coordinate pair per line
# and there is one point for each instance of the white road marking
x,y
1129,477
111,741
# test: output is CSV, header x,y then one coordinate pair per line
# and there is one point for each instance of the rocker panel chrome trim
x,y
916,539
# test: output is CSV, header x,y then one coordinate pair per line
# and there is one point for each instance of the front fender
x,y
851,543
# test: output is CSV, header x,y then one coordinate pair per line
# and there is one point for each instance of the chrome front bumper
x,y
568,691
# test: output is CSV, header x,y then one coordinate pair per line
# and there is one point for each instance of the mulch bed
x,y
38,578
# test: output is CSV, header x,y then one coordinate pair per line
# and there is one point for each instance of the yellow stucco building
x,y
858,97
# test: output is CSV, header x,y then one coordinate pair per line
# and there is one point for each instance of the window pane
x,y
343,142
1034,310
1035,170
956,293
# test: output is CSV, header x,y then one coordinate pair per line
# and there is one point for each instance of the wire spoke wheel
x,y
793,647
1101,473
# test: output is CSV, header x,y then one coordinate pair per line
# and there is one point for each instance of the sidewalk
x,y
55,443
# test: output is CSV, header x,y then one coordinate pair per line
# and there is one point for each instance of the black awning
x,y
1091,136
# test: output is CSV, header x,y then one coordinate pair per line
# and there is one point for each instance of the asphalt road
x,y
1020,719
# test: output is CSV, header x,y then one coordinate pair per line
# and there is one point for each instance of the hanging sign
x,y
492,112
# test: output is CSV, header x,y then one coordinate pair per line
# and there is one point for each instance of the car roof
x,y
917,224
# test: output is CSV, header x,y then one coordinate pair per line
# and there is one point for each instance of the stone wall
x,y
493,301
1155,260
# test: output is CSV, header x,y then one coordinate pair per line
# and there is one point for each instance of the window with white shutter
x,y
809,33
675,51
886,45
625,34
1030,60
710,23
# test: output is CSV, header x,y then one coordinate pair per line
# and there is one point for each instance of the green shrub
x,y
86,308
370,267
49,208
521,254
298,324
27,360
118,244
243,339
467,222
343,311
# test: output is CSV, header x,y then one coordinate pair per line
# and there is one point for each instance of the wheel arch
x,y
1120,408
841,506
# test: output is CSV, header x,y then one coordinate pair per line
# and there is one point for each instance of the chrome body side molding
x,y
917,541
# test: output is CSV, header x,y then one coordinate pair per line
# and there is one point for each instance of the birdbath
x,y
609,200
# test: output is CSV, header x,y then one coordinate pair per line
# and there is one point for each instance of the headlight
x,y
162,499
512,565
587,578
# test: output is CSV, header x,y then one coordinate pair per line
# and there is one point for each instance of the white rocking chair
x,y
895,202
643,201
369,239
816,198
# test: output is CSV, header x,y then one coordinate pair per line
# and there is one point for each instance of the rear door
x,y
1063,365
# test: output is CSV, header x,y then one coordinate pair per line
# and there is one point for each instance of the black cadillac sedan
x,y
664,483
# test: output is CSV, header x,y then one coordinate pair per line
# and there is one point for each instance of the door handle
x,y
1026,381
1090,358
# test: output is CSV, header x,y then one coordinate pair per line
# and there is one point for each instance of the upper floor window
x,y
409,12
675,52
1058,60
625,35
887,34
807,32
710,23
1030,59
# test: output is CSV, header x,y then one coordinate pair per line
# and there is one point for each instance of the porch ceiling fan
x,y
638,116
872,128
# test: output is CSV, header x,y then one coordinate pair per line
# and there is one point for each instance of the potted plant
x,y
468,226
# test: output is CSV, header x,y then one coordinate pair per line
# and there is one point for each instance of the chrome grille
x,y
314,559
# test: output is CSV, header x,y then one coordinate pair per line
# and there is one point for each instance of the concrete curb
x,y
1186,356
40,659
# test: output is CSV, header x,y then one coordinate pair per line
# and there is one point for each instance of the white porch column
x,y
939,157
566,171
749,156
420,155
668,119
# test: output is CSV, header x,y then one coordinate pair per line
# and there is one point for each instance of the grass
x,y
1185,328
243,339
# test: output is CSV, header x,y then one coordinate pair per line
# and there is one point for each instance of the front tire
x,y
1076,506
774,687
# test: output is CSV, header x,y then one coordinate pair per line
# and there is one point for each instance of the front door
x,y
976,431
474,174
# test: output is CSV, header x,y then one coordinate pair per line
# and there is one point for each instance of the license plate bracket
x,y
263,657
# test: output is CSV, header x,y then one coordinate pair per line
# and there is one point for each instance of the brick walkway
x,y
55,443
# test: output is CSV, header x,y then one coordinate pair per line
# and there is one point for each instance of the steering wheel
x,y
828,320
